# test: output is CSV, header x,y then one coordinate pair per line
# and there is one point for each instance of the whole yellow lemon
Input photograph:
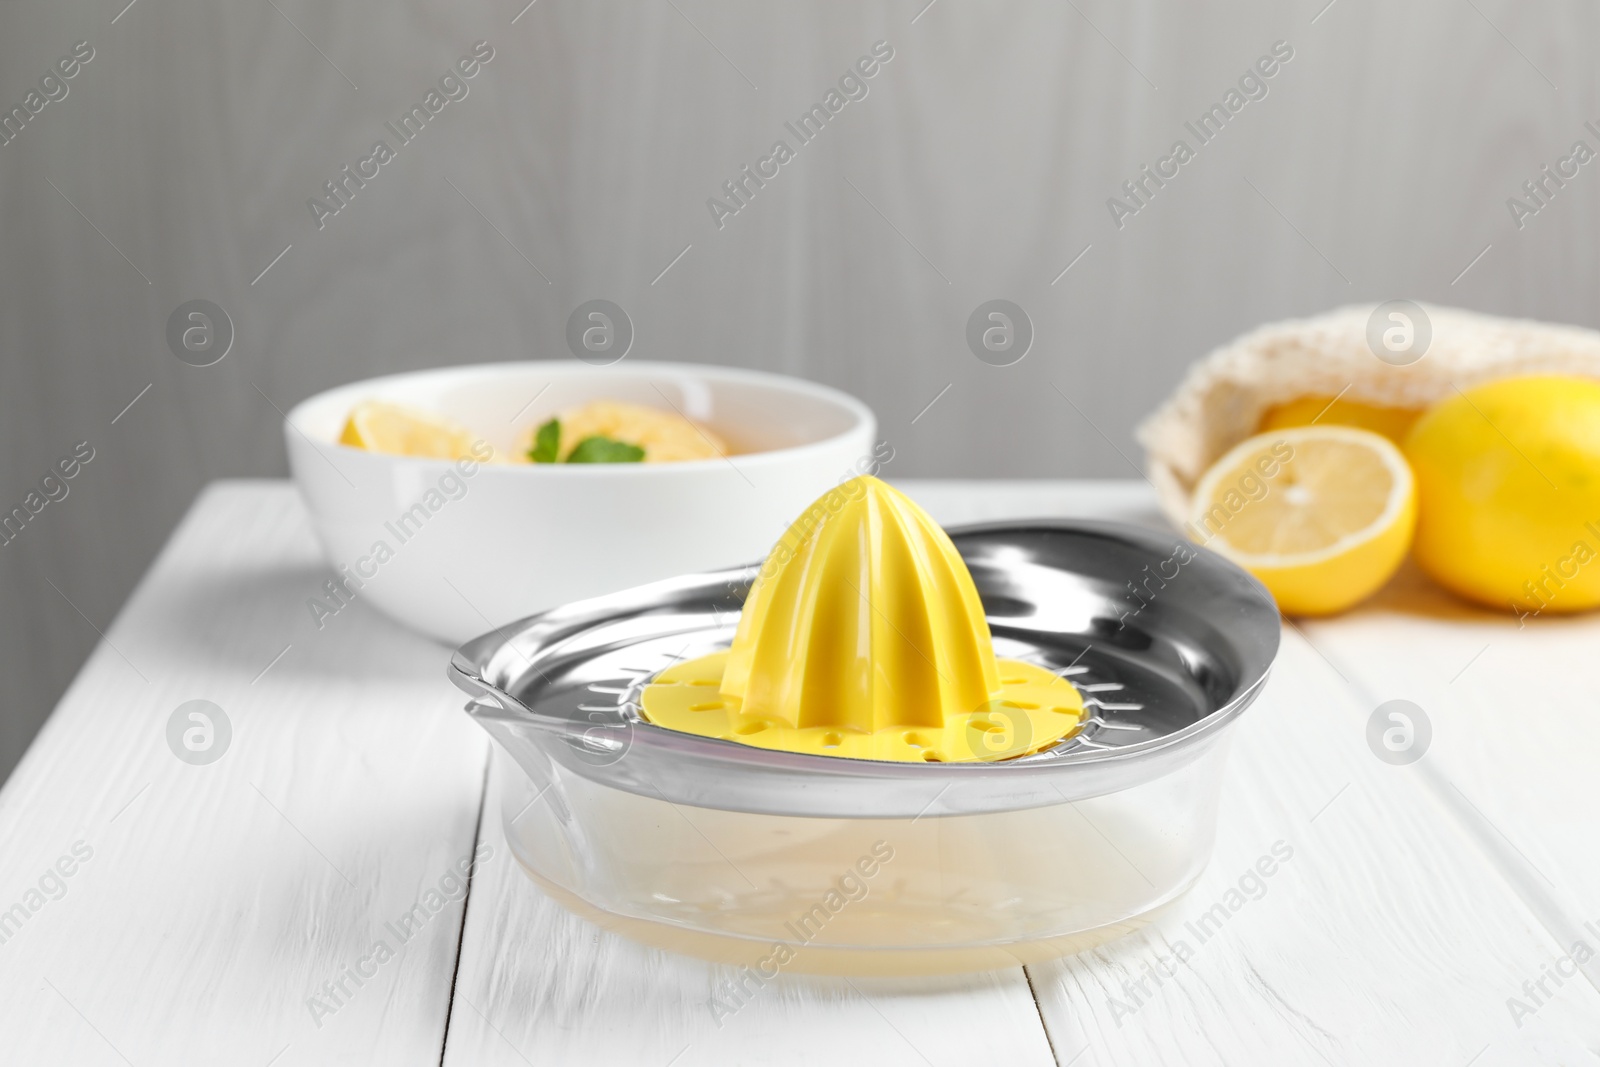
x,y
1508,481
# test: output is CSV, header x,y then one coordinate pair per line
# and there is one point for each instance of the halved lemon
x,y
379,426
1322,515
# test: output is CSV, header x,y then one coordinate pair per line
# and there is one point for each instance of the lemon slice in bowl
x,y
379,426
665,436
1322,515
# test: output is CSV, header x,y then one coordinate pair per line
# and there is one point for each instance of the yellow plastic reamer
x,y
864,637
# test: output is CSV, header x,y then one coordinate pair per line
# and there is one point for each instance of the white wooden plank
x,y
1512,706
1387,937
540,985
219,898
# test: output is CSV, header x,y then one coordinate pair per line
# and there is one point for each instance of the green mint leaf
x,y
546,443
605,450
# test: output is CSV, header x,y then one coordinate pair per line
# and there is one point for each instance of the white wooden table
x,y
208,904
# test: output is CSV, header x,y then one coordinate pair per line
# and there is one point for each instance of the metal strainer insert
x,y
1166,641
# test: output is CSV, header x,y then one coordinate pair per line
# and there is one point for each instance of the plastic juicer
x,y
884,749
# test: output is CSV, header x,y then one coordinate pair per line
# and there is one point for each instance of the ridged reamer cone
x,y
864,617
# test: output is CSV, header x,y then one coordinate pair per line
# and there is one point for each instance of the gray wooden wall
x,y
978,166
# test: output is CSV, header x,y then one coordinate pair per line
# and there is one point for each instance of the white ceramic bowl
x,y
454,550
